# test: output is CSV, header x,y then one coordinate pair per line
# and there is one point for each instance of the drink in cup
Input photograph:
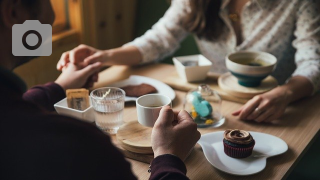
x,y
108,104
149,106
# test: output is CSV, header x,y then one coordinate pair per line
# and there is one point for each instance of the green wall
x,y
148,13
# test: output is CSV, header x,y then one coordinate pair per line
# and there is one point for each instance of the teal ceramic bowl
x,y
250,67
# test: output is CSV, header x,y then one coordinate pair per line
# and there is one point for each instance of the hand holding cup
x,y
174,133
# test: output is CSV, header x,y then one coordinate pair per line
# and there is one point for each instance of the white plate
x,y
266,146
161,87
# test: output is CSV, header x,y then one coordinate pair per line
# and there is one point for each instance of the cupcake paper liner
x,y
238,152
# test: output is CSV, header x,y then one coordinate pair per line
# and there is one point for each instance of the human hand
x,y
265,107
82,55
75,76
174,133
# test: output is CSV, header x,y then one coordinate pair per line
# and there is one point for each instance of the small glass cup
x,y
204,106
108,105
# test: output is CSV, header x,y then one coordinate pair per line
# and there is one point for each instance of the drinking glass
x,y
108,105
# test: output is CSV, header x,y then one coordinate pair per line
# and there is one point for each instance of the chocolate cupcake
x,y
238,143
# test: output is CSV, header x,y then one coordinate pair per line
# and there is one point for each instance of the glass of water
x,y
108,105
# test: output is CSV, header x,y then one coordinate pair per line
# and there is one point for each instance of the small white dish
x,y
266,146
192,73
161,87
63,109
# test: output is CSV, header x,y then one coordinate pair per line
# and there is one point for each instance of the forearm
x,y
45,96
296,88
128,55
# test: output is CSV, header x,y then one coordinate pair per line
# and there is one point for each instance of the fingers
x,y
166,117
97,57
266,113
79,53
64,60
270,115
78,56
186,121
90,69
263,116
184,116
249,107
95,77
257,112
236,113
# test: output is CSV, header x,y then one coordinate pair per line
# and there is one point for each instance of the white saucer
x,y
161,87
266,146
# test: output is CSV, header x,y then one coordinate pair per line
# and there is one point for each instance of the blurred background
x,y
103,24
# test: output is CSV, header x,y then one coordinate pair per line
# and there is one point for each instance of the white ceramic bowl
x,y
192,73
250,76
63,109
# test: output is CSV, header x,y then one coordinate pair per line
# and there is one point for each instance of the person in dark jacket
x,y
36,143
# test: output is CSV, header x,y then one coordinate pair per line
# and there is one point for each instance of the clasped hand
x,y
79,67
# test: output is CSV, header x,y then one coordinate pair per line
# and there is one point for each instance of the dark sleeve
x,y
45,96
58,147
168,167
98,158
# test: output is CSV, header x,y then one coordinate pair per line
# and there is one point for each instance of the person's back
x,y
37,144
41,145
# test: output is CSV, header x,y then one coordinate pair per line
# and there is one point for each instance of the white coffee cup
x,y
149,106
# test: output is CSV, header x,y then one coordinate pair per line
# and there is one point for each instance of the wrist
x,y
128,55
287,94
165,163
61,84
166,152
106,56
112,57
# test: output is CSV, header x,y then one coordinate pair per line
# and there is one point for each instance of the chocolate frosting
x,y
238,136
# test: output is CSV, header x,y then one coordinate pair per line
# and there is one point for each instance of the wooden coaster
x,y
229,83
136,138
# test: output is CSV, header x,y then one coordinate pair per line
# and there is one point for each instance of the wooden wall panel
x,y
60,23
103,24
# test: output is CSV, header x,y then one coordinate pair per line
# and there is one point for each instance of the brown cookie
x,y
138,90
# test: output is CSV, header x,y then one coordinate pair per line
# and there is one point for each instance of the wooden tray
x,y
212,80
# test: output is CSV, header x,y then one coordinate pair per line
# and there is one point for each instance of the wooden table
x,y
297,127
